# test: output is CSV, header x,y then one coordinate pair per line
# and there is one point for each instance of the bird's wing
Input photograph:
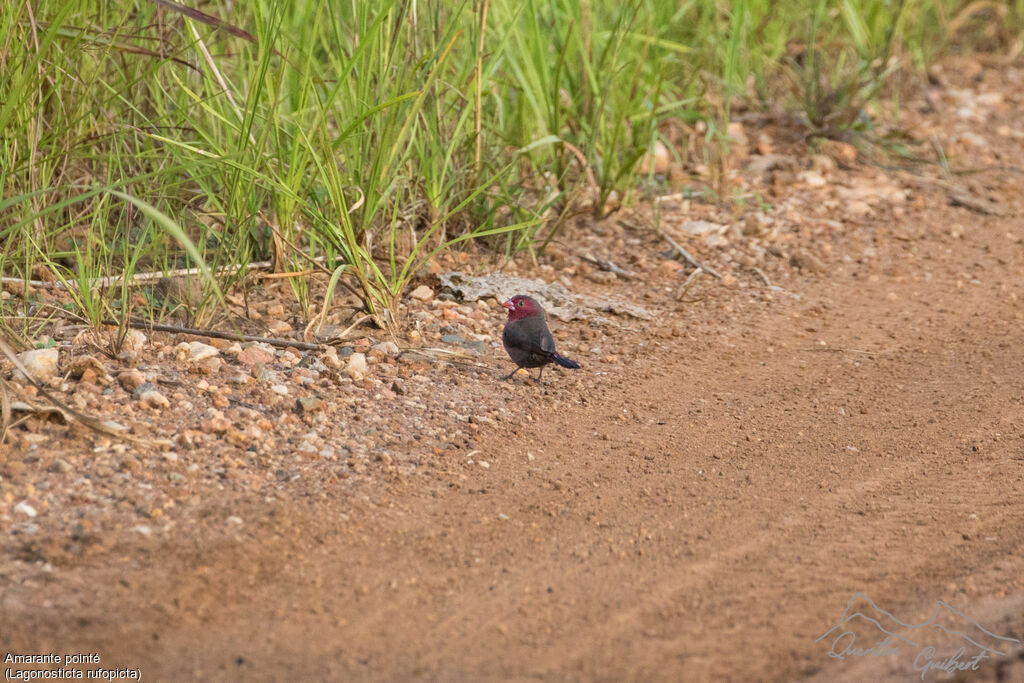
x,y
530,334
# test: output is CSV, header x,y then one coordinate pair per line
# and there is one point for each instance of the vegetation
x,y
363,137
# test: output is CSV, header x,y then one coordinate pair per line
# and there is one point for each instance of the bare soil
x,y
700,502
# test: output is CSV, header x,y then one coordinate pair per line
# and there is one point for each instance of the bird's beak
x,y
509,305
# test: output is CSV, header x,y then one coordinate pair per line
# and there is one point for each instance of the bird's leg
x,y
541,373
509,375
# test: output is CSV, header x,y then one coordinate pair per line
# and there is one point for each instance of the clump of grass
x,y
148,136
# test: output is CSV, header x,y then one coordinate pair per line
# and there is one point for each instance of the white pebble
x,y
422,293
199,351
357,367
40,364
25,509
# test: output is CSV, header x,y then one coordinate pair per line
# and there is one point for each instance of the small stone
x,y
25,509
215,425
60,466
148,394
657,159
422,293
40,364
701,227
199,351
330,358
255,355
210,366
82,364
357,367
806,261
143,530
128,357
280,389
236,437
131,380
813,179
290,357
234,519
390,348
279,327
275,310
858,208
134,340
452,339
398,386
309,404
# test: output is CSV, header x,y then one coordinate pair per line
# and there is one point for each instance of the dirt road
x,y
704,514
707,517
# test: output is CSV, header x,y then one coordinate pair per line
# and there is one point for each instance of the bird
x,y
527,338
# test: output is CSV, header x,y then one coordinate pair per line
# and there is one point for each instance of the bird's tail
x,y
565,362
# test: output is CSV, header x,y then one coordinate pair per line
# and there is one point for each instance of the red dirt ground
x,y
702,511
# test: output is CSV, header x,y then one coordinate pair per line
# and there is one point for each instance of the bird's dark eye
x,y
519,303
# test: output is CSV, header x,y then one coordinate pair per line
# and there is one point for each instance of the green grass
x,y
375,135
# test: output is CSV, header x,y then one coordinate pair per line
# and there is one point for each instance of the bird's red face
x,y
520,307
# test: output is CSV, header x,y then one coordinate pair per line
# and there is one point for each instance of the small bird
x,y
527,339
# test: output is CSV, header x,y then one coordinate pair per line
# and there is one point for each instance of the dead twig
x,y
233,336
278,276
591,178
764,278
137,279
692,261
959,195
5,411
686,285
608,266
354,325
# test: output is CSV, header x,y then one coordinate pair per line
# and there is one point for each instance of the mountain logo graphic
x,y
971,642
944,618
